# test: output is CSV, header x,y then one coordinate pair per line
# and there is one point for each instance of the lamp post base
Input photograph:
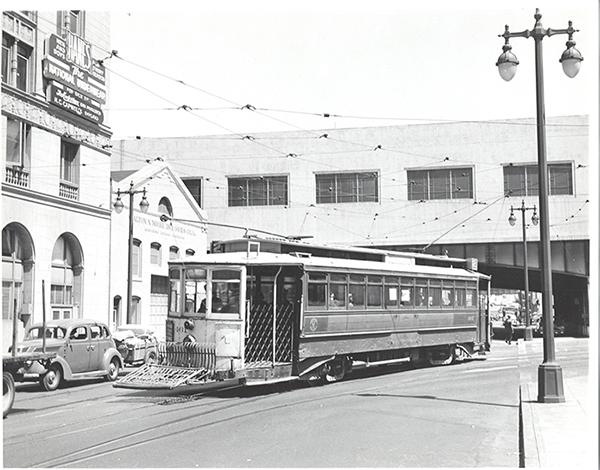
x,y
528,333
550,384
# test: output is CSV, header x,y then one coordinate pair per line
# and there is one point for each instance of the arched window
x,y
189,252
66,278
17,272
136,258
116,315
165,207
135,316
173,252
155,254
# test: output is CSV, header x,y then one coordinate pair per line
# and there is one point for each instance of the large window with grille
x,y
447,183
347,187
522,180
258,191
194,185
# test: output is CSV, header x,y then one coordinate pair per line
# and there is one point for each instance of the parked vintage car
x,y
84,349
136,343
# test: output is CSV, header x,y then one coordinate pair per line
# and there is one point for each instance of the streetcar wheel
x,y
437,358
8,393
113,370
51,379
334,371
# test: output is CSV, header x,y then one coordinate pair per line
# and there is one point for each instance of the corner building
x,y
445,188
56,186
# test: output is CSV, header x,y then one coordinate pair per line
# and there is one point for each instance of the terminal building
x,y
56,186
439,188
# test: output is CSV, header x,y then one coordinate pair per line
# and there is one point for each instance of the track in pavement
x,y
138,438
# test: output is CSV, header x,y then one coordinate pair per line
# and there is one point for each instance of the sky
x,y
294,61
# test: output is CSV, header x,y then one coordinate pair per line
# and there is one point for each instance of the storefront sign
x,y
70,62
74,50
74,102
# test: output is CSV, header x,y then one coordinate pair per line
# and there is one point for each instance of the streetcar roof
x,y
347,249
314,263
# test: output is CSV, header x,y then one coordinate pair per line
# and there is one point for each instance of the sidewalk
x,y
557,435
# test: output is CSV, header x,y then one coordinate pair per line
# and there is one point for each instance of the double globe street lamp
x,y
550,382
118,205
512,220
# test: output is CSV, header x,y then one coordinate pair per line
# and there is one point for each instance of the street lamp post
x,y
550,382
528,334
118,205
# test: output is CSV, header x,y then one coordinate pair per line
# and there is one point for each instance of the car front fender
x,y
66,368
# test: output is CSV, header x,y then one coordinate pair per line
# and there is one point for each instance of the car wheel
x,y
8,393
51,379
113,370
151,358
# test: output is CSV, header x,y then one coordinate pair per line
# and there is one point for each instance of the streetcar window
x,y
226,274
406,296
195,290
421,293
471,298
337,295
391,296
407,291
391,292
316,294
356,296
317,290
435,293
174,289
448,294
461,297
374,291
225,291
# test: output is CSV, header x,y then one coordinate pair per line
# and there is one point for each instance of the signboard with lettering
x,y
76,82
75,51
74,77
74,102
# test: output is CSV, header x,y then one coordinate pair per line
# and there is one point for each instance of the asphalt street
x,y
463,415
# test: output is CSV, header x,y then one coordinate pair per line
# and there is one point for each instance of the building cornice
x,y
38,113
36,197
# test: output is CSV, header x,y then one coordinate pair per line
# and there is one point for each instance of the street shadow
x,y
432,397
35,387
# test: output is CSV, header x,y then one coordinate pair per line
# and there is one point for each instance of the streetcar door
x,y
484,325
272,339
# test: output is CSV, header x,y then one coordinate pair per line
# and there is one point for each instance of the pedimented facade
x,y
170,229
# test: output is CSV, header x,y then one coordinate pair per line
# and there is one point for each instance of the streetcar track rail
x,y
79,456
191,401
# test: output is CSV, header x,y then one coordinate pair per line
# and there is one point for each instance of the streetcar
x,y
256,311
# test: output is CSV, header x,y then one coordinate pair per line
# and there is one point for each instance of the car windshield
x,y
54,332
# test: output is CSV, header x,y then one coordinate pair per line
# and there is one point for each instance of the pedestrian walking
x,y
508,329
